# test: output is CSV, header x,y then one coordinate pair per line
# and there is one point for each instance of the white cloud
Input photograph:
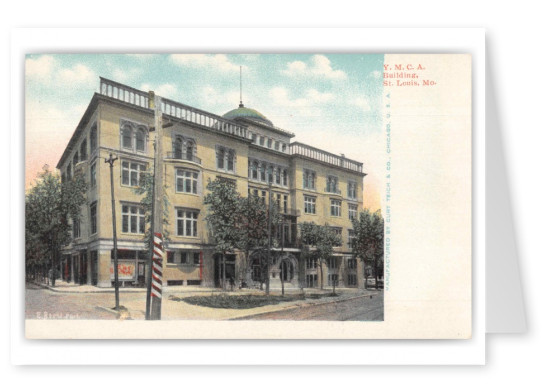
x,y
166,90
141,56
40,68
46,69
124,75
280,97
375,74
219,62
360,102
320,66
213,97
77,75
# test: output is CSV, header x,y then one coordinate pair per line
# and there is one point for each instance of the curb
x,y
244,317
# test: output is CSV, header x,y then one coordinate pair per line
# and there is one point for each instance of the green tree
x,y
252,224
368,240
223,218
317,242
48,206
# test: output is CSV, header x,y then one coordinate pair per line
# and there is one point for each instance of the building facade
x,y
243,146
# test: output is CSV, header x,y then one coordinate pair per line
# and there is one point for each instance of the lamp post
x,y
111,161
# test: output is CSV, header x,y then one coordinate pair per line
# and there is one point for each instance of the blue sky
x,y
331,101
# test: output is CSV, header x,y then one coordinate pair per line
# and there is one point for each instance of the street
x,y
357,309
42,303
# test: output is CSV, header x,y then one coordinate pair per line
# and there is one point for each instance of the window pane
x,y
133,224
124,223
179,186
127,138
140,141
133,178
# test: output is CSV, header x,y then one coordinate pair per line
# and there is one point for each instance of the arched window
x,y
277,176
140,140
230,158
189,150
133,136
93,138
83,150
178,148
263,172
127,137
220,158
255,170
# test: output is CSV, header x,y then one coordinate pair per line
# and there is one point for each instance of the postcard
x,y
248,196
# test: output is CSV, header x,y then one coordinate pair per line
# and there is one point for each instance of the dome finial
x,y
240,88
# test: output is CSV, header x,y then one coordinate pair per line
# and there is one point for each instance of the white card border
x,y
272,40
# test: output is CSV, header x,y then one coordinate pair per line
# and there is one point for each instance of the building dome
x,y
247,113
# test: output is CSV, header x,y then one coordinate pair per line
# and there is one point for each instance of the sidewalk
x,y
174,308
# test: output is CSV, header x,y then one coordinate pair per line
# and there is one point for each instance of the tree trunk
x,y
321,275
224,272
282,280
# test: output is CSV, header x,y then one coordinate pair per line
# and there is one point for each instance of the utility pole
x,y
111,161
157,207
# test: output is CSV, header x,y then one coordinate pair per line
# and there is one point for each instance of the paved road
x,y
41,303
361,308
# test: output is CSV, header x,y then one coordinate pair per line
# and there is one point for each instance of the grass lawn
x,y
243,301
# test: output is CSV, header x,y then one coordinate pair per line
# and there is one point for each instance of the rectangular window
x,y
311,263
335,208
332,184
93,174
333,279
338,232
225,159
311,280
278,201
283,147
76,228
186,181
133,219
351,237
352,190
285,203
276,146
253,138
309,180
83,150
263,196
269,143
131,172
261,140
170,257
352,211
186,223
93,218
332,263
352,263
93,138
352,280
309,205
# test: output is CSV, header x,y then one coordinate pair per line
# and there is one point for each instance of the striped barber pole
x,y
157,270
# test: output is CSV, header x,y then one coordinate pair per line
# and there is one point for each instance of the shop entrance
x,y
230,270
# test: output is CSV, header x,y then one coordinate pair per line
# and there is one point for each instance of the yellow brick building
x,y
308,185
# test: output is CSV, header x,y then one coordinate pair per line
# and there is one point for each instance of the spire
x,y
240,87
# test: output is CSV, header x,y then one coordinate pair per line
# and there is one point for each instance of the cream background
x,y
429,290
